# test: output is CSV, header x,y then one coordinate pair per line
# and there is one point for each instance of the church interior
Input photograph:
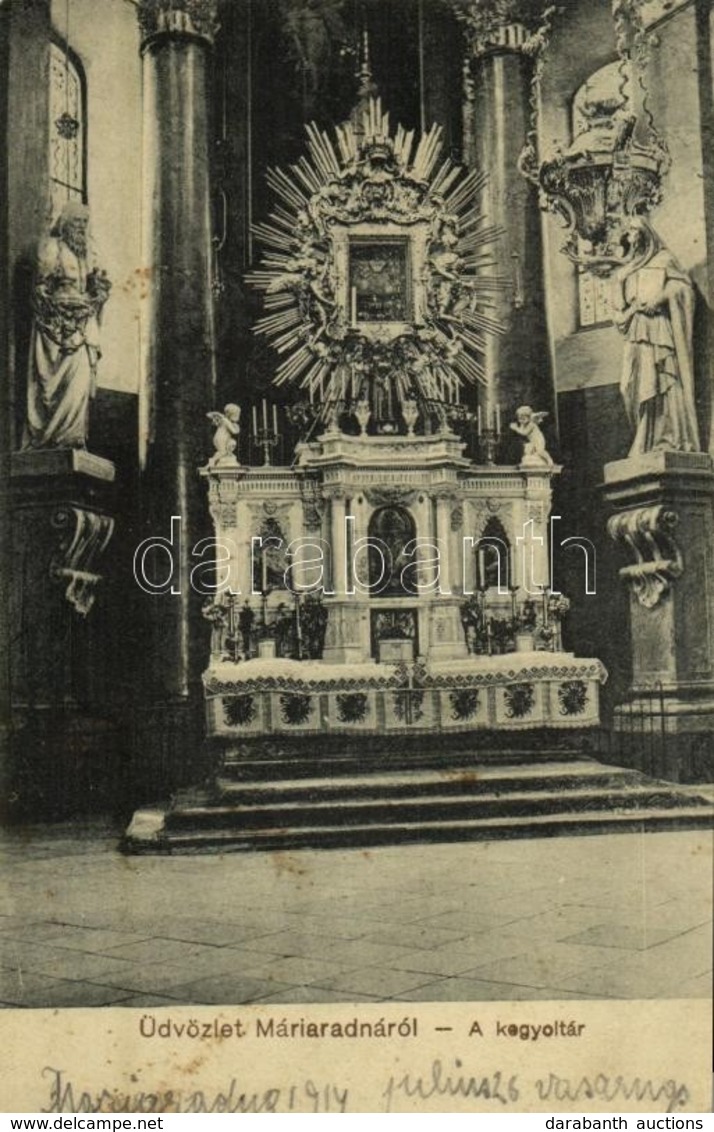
x,y
357,420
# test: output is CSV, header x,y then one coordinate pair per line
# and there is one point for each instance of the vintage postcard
x,y
357,534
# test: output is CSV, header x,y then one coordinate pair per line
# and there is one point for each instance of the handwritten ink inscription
x,y
307,1096
468,1088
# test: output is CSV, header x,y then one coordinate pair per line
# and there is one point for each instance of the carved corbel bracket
x,y
647,535
84,536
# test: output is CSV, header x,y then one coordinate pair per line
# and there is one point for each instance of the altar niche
x,y
393,565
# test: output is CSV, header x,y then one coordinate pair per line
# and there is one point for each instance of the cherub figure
x,y
225,438
527,425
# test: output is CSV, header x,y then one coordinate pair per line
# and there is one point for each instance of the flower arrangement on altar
x,y
532,625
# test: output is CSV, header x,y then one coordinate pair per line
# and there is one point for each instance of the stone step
x,y
158,838
272,765
468,780
300,813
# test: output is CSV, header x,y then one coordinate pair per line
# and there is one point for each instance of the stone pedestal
x,y
663,520
63,742
347,637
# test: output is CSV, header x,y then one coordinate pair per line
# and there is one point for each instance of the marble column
x,y
444,504
178,333
338,565
497,111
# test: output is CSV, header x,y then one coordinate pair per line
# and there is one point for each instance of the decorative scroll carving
x,y
267,514
84,536
485,509
492,24
178,17
223,502
647,534
388,495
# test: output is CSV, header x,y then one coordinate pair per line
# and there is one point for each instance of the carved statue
x,y
382,402
68,297
654,310
527,426
313,26
226,435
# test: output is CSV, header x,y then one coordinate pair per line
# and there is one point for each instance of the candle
x,y
275,419
353,306
478,420
255,422
498,420
263,571
265,415
231,617
482,567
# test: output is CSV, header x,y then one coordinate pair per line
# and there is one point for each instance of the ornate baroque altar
x,y
384,582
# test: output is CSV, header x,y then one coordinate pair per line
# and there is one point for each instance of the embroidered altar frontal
x,y
511,692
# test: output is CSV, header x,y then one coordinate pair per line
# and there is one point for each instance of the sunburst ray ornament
x,y
378,273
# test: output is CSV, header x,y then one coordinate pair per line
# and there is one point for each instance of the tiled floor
x,y
622,916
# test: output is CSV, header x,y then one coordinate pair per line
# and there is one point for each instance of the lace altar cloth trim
x,y
314,676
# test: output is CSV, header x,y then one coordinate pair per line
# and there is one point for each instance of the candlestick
x,y
545,608
353,306
275,418
478,422
498,420
255,422
265,414
263,571
514,607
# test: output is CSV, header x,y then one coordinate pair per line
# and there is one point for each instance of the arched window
x,y
68,128
602,89
493,557
270,560
392,560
